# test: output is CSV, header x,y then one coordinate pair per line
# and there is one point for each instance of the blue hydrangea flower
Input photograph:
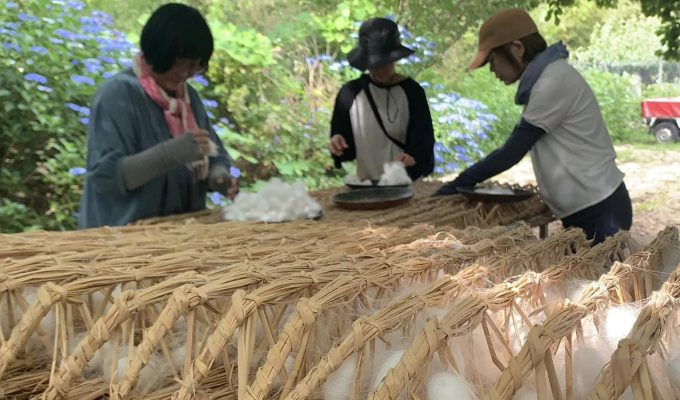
x,y
77,171
27,17
76,5
11,4
68,35
79,109
200,80
38,50
80,79
209,103
234,171
217,198
107,59
32,77
85,120
45,89
12,46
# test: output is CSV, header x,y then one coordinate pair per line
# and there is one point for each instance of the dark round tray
x,y
375,185
518,195
374,198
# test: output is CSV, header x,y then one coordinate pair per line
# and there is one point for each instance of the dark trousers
x,y
604,218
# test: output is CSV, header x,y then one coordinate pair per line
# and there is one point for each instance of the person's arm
x,y
522,139
115,163
140,168
420,133
341,124
219,177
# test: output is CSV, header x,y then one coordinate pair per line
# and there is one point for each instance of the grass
x,y
639,151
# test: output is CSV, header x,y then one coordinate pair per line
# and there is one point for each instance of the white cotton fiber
x,y
354,180
480,366
526,394
276,201
618,323
394,173
445,385
587,364
494,190
339,384
389,361
673,371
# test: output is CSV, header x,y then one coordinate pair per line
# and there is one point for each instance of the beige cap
x,y
501,28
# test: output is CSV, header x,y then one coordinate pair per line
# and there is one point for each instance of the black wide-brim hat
x,y
379,44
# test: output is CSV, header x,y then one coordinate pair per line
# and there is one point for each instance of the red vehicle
x,y
663,118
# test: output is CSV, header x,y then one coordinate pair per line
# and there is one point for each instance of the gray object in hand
x,y
140,168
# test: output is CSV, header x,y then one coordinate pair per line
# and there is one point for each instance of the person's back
x,y
561,125
574,161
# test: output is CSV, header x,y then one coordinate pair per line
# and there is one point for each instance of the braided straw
x,y
471,310
562,322
372,273
277,290
367,328
126,305
628,366
290,342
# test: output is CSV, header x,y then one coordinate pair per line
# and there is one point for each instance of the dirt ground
x,y
652,177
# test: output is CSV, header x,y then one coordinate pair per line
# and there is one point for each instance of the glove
x,y
220,180
140,168
447,189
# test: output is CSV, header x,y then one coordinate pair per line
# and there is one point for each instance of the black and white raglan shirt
x,y
405,115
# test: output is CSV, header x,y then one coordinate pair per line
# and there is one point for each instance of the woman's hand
x,y
202,139
337,145
221,181
406,159
233,187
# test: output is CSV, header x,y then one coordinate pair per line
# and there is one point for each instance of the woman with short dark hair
x,y
151,148
382,116
571,151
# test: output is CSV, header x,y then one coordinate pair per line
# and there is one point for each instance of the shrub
x,y
619,103
54,53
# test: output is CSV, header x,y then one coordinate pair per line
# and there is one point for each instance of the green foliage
x,y
53,53
483,86
619,103
623,35
576,24
277,104
339,27
661,90
668,11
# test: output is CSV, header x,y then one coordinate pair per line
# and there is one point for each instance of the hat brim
x,y
480,59
360,59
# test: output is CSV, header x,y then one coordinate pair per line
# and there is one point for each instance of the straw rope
x,y
470,311
367,328
562,321
628,363
373,275
289,341
276,290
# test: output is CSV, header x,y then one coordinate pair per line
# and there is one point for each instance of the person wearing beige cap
x,y
382,116
561,125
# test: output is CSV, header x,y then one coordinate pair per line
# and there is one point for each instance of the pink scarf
x,y
176,110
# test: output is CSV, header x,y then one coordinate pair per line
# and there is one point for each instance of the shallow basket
x,y
373,198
